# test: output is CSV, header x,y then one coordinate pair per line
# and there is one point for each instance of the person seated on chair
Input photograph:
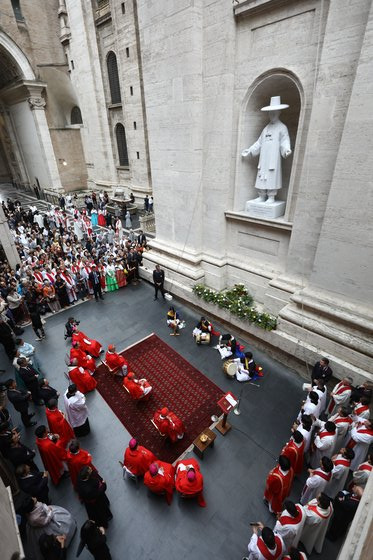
x,y
168,424
116,362
189,480
84,360
70,327
246,367
88,345
160,479
173,321
137,388
82,377
137,459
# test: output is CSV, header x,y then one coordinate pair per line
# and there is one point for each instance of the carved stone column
x,y
7,241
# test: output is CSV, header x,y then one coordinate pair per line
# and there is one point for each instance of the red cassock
x,y
52,454
295,455
59,425
81,357
163,481
278,488
190,487
138,460
170,426
115,361
76,461
87,344
82,379
136,390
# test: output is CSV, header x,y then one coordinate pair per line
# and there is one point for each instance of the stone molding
x,y
250,7
244,217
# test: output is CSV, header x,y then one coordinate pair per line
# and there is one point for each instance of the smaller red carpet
x,y
176,384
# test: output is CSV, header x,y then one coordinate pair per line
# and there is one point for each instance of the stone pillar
x,y
7,241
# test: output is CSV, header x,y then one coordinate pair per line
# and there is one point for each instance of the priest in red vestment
x,y
58,424
189,480
160,479
278,484
76,353
168,424
51,452
115,361
137,459
77,458
82,378
294,451
88,345
137,388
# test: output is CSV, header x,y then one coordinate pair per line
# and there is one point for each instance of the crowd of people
x,y
332,441
64,258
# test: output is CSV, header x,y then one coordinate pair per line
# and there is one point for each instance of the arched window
x,y
76,116
122,145
112,69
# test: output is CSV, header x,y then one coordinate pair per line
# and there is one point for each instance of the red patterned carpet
x,y
176,384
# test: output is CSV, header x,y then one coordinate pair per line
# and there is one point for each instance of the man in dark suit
x,y
141,239
29,376
7,340
20,400
47,392
321,370
95,279
158,279
33,483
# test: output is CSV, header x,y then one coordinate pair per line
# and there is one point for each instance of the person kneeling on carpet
x,y
189,480
160,479
168,424
137,388
115,362
174,321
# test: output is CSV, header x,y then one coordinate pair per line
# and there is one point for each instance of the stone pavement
x,y
235,470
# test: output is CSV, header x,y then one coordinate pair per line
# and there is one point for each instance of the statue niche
x,y
272,145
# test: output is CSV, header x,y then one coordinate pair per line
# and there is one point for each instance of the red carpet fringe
x,y
176,384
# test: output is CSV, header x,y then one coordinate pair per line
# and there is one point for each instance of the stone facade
x,y
208,67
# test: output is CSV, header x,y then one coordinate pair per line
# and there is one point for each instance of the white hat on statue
x,y
275,105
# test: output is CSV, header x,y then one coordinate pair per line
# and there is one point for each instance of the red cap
x,y
164,411
111,347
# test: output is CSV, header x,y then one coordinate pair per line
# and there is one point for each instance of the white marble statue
x,y
272,144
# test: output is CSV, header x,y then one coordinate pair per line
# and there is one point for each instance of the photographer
x,y
70,327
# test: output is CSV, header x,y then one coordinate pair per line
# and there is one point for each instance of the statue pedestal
x,y
265,209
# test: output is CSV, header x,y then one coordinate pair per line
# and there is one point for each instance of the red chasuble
x,y
87,344
295,455
59,425
170,426
83,361
138,460
161,482
82,379
190,487
52,455
135,389
76,461
115,361
278,488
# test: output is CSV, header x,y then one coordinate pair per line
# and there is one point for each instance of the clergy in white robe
x,y
341,468
323,444
70,285
266,546
76,411
309,406
290,523
318,514
305,428
361,439
361,410
361,475
340,396
343,422
295,554
317,481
